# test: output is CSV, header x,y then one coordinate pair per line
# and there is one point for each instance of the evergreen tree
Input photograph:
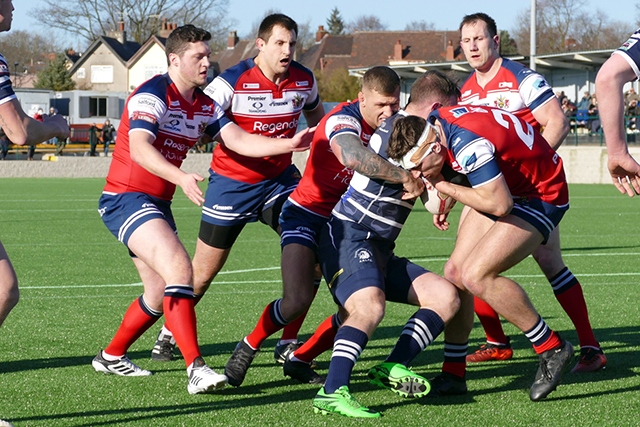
x,y
508,46
335,24
55,76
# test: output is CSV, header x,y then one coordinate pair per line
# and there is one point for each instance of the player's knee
x,y
452,273
9,296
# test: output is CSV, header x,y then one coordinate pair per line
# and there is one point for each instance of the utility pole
x,y
532,36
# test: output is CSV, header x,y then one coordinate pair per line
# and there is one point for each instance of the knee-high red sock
x,y
569,294
291,330
178,306
137,319
490,321
321,340
270,322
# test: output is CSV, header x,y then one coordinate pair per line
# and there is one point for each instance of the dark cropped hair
x,y
434,83
404,135
382,79
475,17
267,24
179,39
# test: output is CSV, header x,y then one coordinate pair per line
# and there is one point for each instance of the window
x,y
101,74
81,74
97,107
152,70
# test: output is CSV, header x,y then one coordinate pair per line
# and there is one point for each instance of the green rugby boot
x,y
341,402
400,379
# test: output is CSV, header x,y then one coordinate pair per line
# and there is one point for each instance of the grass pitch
x,y
76,282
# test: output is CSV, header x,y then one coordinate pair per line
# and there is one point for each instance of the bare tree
x,y
89,19
420,26
306,37
569,25
365,23
31,51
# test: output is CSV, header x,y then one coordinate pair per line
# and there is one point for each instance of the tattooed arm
x,y
351,153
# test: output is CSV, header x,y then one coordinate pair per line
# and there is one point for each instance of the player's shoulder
x,y
520,71
297,68
232,74
155,86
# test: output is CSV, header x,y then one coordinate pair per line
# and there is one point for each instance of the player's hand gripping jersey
x,y
512,149
158,108
259,106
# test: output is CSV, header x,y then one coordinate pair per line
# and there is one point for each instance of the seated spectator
x,y
568,108
631,96
582,109
583,104
631,112
593,124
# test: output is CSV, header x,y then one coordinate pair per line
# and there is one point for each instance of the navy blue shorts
x,y
124,213
543,216
229,202
350,260
299,225
630,51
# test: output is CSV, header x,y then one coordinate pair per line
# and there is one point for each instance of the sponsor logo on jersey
x,y
145,101
501,102
364,255
256,98
629,44
206,108
297,101
141,115
275,127
222,208
257,105
175,145
251,86
278,103
539,84
469,161
302,84
305,230
505,84
460,111
175,116
4,68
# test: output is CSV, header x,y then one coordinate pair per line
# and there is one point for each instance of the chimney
x,y
321,33
165,29
232,40
397,51
120,34
448,56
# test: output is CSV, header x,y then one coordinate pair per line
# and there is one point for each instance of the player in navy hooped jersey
x,y
518,195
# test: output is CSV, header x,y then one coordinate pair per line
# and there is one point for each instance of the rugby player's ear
x,y
174,59
260,43
435,106
361,97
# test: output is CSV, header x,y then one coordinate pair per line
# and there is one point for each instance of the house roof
x,y
122,51
150,42
231,56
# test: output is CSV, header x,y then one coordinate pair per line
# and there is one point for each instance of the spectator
x,y
31,151
593,124
568,108
108,132
632,111
54,140
583,104
630,97
93,139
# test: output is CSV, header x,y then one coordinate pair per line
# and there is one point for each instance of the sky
x,y
445,15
